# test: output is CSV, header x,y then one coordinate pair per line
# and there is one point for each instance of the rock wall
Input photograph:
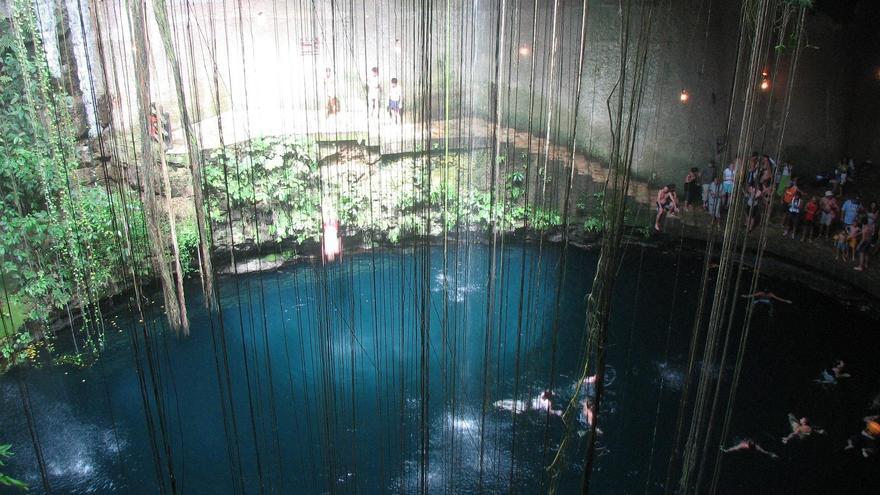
x,y
266,60
863,112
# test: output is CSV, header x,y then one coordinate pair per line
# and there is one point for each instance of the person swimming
x,y
831,377
867,439
748,444
765,297
800,428
541,403
587,417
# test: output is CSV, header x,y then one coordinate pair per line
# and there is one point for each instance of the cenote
x,y
323,369
439,247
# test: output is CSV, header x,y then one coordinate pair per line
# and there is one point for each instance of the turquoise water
x,y
309,380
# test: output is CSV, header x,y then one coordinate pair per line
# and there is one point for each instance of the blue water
x,y
324,369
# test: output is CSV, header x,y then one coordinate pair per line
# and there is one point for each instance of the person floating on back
x,y
831,377
800,428
748,444
765,297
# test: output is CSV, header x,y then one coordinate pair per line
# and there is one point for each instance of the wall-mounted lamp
x,y
684,96
397,46
765,81
525,51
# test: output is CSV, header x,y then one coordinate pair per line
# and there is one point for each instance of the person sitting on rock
x,y
666,204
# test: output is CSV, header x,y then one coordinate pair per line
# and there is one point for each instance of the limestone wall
x,y
260,66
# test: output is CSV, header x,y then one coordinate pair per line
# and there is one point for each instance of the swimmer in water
x,y
831,377
866,439
589,384
765,297
800,428
749,444
541,403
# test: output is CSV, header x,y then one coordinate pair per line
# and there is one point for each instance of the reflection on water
x,y
670,375
78,455
455,290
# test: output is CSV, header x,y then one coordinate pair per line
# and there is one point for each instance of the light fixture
x,y
397,46
524,50
765,81
684,96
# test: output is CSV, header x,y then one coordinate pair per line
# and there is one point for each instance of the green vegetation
x,y
59,239
65,245
6,453
636,218
275,189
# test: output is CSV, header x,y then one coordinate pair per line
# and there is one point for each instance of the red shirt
x,y
811,209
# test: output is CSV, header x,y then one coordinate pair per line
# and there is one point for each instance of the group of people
x,y
850,223
845,219
393,101
865,441
584,391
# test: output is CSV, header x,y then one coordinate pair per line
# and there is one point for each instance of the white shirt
x,y
373,84
394,93
728,175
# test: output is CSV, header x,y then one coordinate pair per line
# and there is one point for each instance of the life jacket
x,y
789,194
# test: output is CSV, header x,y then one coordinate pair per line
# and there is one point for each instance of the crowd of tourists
x,y
832,214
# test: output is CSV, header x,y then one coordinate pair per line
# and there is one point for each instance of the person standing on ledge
x,y
784,178
727,183
829,208
374,92
707,176
691,187
850,211
395,101
863,248
331,104
713,203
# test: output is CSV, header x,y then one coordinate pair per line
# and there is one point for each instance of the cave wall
x,y
266,62
815,137
863,112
